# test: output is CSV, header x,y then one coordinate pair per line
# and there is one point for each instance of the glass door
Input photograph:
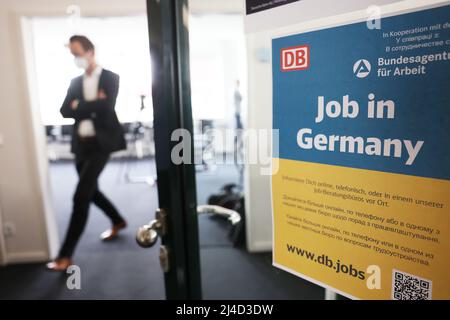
x,y
176,219
203,256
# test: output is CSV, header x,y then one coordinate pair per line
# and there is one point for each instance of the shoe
x,y
113,232
59,264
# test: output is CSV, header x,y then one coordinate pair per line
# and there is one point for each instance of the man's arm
x,y
66,108
100,106
70,104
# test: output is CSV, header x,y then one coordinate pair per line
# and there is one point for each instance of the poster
x,y
361,197
253,6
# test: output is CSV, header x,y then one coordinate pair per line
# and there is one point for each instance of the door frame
x,y
169,47
2,240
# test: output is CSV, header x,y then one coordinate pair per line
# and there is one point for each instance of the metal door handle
x,y
233,216
147,235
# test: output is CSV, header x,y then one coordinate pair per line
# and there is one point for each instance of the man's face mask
x,y
81,62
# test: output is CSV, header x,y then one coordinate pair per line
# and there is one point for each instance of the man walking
x,y
90,101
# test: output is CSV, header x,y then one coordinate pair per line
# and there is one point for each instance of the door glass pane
x,y
236,259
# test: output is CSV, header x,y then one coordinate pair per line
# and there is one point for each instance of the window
x,y
121,46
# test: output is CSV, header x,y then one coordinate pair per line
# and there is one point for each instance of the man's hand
x,y
74,104
101,94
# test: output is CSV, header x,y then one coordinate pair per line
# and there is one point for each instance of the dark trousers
x,y
89,162
238,121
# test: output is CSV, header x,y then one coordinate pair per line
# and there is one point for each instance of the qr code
x,y
406,286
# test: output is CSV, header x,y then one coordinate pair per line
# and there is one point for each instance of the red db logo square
x,y
295,58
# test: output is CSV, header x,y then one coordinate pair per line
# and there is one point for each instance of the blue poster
x,y
399,77
361,190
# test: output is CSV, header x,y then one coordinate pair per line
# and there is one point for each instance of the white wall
x,y
261,28
2,242
21,202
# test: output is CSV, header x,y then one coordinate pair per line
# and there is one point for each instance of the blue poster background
x,y
422,102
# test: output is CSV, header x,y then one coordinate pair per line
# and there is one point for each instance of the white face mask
x,y
81,62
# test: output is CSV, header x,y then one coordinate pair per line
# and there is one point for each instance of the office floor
x,y
122,270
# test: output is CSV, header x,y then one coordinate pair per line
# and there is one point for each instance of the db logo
x,y
295,58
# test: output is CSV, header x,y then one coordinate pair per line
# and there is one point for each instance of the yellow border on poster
x,y
360,220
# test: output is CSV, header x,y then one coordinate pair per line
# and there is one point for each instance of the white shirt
x,y
90,91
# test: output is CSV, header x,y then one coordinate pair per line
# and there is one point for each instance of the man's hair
x,y
86,44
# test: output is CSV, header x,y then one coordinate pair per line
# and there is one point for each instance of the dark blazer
x,y
109,132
